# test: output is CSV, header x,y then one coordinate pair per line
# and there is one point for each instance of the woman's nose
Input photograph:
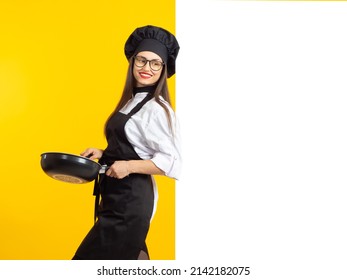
x,y
146,66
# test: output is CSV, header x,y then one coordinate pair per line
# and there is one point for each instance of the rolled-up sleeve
x,y
165,143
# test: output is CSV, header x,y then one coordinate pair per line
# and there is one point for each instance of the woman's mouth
x,y
145,75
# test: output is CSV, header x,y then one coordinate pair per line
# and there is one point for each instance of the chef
x,y
143,139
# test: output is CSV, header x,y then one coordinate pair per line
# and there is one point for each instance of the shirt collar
x,y
149,89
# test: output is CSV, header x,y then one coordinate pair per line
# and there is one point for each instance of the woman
x,y
143,140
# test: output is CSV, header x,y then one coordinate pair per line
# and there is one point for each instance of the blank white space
x,y
262,102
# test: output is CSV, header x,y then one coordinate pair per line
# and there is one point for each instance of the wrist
x,y
131,167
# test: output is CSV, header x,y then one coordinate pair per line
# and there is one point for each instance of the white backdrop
x,y
261,97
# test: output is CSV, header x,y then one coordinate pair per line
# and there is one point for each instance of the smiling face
x,y
145,75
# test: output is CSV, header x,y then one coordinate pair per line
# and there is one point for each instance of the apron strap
x,y
96,192
140,104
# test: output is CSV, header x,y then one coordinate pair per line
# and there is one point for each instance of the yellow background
x,y
62,69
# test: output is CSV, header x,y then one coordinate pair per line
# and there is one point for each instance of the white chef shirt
x,y
148,131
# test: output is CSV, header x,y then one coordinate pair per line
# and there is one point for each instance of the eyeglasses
x,y
155,64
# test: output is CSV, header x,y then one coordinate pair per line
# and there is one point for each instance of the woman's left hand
x,y
119,170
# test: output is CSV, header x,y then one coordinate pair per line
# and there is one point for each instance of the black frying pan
x,y
71,168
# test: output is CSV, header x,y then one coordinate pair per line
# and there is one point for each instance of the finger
x,y
108,172
86,152
91,156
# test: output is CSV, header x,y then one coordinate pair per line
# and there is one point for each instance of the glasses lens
x,y
140,61
156,65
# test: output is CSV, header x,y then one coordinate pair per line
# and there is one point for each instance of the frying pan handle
x,y
103,169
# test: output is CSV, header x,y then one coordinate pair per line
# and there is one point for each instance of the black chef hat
x,y
154,39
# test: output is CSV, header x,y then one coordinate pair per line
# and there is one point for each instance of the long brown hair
x,y
161,90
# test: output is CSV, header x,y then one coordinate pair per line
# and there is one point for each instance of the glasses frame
x,y
150,62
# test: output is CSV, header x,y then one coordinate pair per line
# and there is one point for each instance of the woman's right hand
x,y
92,153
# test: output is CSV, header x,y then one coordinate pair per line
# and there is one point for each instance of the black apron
x,y
125,210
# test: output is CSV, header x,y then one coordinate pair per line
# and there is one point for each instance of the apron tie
x,y
96,192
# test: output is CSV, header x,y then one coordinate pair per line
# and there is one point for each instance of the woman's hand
x,y
92,153
119,169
